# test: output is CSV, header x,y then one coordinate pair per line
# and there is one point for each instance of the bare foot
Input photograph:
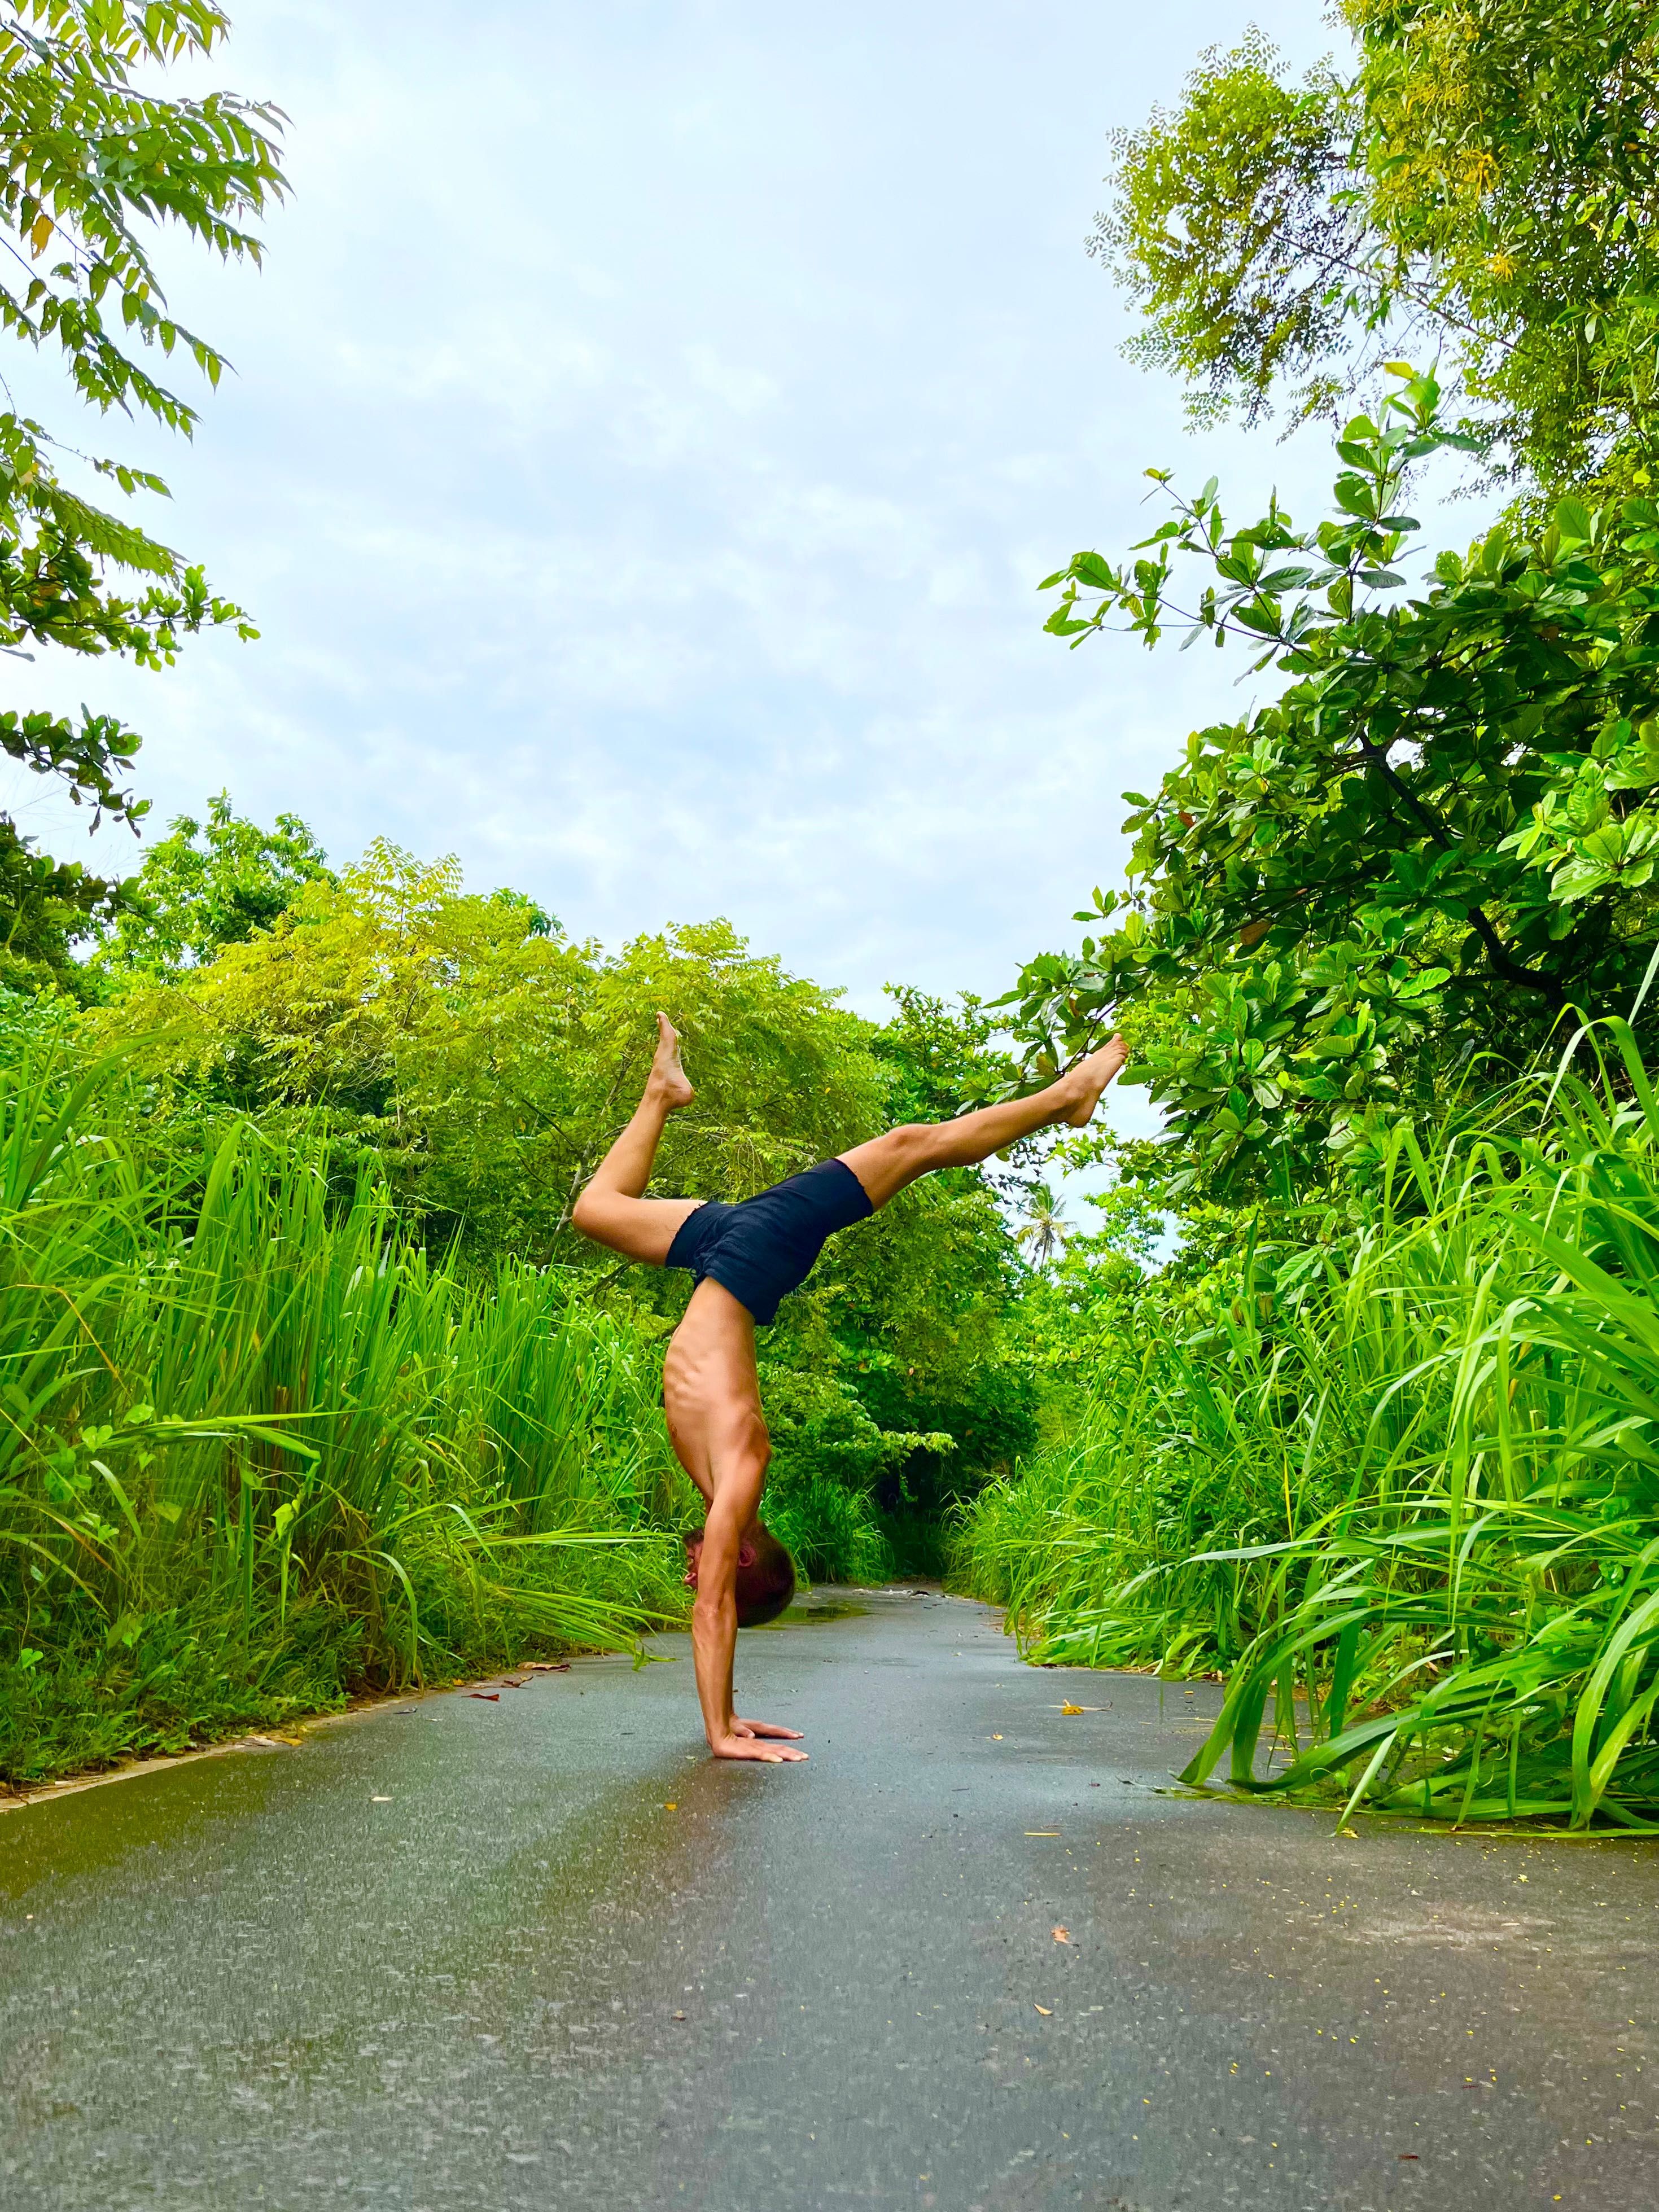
x,y
668,1078
1090,1078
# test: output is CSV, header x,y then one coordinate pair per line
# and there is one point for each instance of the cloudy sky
x,y
650,427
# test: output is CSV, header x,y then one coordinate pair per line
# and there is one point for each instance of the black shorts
x,y
763,1247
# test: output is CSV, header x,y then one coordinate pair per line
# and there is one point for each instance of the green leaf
x,y
1572,519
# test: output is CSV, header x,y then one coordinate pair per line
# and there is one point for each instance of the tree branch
x,y
1510,969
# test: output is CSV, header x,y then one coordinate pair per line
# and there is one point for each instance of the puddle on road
x,y
804,1614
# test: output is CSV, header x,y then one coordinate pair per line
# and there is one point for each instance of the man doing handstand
x,y
744,1258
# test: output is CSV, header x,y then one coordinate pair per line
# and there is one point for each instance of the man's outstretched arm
x,y
714,1631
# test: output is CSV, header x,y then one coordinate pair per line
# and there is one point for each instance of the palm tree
x,y
1046,1227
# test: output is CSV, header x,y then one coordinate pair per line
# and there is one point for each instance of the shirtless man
x,y
744,1259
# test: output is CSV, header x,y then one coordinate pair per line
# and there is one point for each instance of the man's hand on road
x,y
757,1739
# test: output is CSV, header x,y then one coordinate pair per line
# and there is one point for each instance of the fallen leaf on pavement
x,y
489,1696
1048,2011
677,2015
1070,1708
1062,1934
547,1666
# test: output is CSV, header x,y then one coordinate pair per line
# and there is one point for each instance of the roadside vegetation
x,y
1388,1466
260,1452
1378,1443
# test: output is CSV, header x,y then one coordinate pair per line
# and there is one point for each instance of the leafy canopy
x,y
490,1060
1443,833
207,885
1485,179
89,164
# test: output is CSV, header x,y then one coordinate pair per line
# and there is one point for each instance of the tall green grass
x,y
1398,1471
257,1450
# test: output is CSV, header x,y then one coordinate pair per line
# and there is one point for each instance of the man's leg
x,y
611,1209
886,1164
711,1393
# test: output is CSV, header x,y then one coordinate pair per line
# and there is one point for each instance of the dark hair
x,y
764,1589
766,1585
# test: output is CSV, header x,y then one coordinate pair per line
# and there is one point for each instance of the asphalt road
x,y
475,1956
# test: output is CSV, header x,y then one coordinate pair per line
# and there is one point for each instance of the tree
x,y
941,1061
46,908
1486,180
207,885
1440,838
90,159
1046,1229
490,1060
1076,1315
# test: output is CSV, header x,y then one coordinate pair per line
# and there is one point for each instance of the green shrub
x,y
1400,1471
260,1451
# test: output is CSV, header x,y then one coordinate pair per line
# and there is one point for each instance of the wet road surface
x,y
498,1957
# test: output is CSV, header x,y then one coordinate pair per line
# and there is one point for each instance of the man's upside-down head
x,y
766,1575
